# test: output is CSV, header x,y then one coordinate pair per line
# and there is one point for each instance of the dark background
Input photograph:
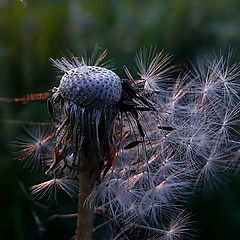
x,y
35,30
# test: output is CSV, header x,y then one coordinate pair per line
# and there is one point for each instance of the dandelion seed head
x,y
156,141
91,86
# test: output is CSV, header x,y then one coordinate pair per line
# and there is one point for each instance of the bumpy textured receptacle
x,y
90,86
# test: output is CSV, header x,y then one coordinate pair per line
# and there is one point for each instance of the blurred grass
x,y
32,32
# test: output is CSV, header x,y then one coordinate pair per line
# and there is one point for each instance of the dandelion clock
x,y
137,147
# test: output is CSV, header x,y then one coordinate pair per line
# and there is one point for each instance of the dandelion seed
x,y
227,72
154,69
226,127
179,227
34,148
49,188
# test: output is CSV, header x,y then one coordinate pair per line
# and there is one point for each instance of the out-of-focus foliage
x,y
32,31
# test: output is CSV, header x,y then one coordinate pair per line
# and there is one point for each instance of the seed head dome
x,y
91,86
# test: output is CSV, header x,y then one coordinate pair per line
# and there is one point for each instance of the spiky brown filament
x,y
28,97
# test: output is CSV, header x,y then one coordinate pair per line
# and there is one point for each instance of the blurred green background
x,y
33,31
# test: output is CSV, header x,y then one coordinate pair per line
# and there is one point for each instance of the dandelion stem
x,y
85,211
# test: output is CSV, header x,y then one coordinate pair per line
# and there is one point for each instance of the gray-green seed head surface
x,y
91,86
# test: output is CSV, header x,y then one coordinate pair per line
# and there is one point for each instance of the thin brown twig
x,y
28,97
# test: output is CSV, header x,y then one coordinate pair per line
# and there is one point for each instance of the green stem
x,y
85,210
85,215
